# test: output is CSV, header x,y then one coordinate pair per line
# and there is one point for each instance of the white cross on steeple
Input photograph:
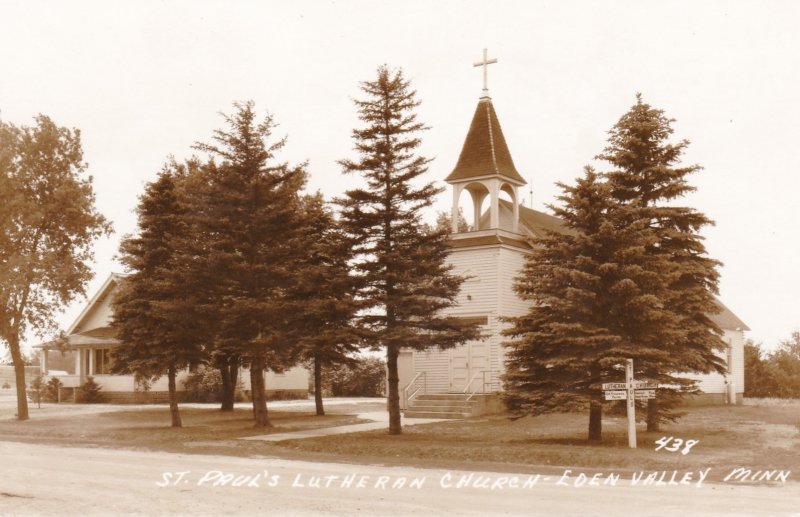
x,y
485,64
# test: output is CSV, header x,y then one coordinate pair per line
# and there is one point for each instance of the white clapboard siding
x,y
512,260
477,298
488,292
715,382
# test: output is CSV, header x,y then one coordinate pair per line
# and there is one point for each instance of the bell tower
x,y
485,168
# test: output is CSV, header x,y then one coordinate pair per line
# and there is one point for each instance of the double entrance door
x,y
467,363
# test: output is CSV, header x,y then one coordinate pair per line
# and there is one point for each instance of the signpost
x,y
630,390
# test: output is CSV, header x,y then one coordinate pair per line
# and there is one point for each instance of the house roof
x,y
485,152
98,337
98,297
99,333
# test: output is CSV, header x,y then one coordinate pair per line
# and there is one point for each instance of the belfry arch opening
x,y
477,207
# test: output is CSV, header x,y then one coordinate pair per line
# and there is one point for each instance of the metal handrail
x,y
483,384
406,397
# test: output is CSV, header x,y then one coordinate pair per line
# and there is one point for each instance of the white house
x,y
87,352
490,256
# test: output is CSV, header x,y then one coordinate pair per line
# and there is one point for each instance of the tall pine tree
x,y
156,307
407,280
251,223
630,279
326,294
648,179
590,288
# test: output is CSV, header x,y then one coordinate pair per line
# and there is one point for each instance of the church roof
x,y
726,319
485,152
533,222
538,223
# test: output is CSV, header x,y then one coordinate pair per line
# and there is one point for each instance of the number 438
x,y
677,443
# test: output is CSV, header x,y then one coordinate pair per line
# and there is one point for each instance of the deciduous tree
x,y
48,224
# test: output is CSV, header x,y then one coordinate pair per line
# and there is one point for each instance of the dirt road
x,y
50,480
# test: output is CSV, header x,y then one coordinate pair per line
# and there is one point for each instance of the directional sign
x,y
616,395
645,385
615,386
638,385
645,394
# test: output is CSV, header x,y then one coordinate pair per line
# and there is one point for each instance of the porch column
x,y
43,361
79,365
91,353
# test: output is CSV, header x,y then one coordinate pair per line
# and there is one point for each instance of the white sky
x,y
143,80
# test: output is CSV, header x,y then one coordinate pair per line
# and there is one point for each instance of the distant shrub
x,y
52,388
37,387
6,386
366,377
205,385
89,392
773,374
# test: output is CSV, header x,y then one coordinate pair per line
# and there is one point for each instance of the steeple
x,y
485,167
485,152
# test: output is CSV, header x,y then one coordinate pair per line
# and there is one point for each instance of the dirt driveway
x,y
52,480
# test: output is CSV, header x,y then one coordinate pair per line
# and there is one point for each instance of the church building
x,y
466,380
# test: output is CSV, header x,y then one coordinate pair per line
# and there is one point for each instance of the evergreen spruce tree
x,y
647,179
155,308
326,295
407,280
588,292
250,221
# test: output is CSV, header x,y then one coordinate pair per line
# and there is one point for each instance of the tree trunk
x,y
652,415
595,421
318,386
260,414
394,393
173,397
229,371
19,373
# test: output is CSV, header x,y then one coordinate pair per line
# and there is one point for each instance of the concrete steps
x,y
445,405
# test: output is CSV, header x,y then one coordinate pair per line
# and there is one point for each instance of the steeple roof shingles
x,y
485,152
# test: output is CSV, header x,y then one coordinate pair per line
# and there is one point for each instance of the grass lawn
x,y
729,437
205,430
741,436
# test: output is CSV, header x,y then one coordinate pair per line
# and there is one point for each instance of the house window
x,y
102,361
